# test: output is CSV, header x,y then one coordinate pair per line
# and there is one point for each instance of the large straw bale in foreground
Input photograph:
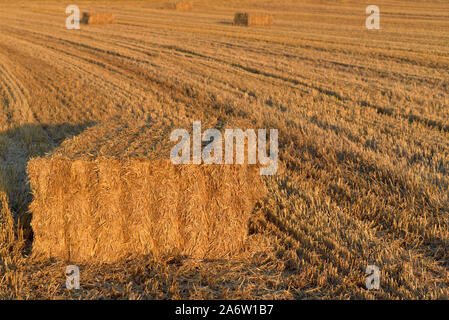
x,y
97,18
112,193
253,19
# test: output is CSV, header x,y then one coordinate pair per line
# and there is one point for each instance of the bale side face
x,y
241,19
253,19
106,210
97,18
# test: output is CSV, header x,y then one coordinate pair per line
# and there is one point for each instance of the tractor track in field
x,y
14,93
90,50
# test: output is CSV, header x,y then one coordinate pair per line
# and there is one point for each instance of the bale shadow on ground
x,y
17,146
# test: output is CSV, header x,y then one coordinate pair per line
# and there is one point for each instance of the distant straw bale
x,y
97,18
179,5
113,192
253,19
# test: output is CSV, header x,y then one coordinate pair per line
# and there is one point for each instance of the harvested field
x,y
363,126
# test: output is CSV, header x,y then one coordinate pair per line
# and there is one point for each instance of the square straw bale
x,y
179,5
97,18
253,19
113,192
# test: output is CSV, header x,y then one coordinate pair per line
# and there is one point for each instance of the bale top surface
x,y
122,140
118,141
